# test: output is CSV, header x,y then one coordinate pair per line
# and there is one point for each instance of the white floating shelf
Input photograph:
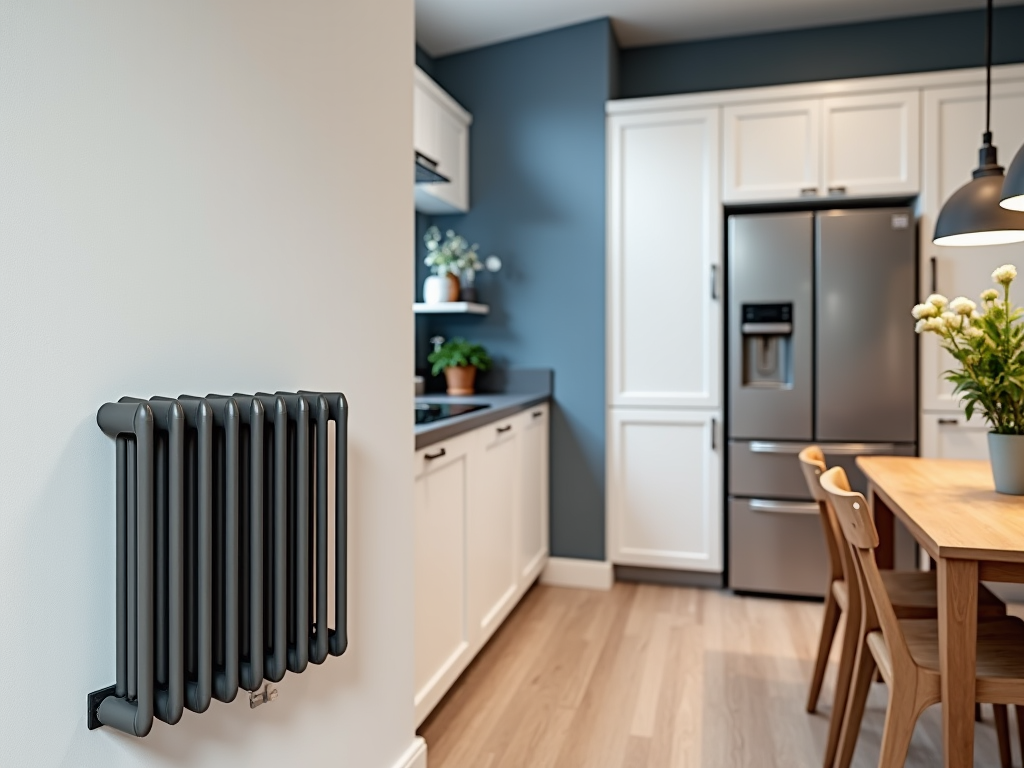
x,y
450,308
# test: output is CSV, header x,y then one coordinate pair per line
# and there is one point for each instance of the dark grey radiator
x,y
222,548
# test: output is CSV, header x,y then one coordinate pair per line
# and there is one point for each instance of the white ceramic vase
x,y
438,289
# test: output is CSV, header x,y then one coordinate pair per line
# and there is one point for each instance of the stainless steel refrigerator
x,y
821,350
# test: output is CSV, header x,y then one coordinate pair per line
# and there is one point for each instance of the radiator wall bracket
x,y
95,698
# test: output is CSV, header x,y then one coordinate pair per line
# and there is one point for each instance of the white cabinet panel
x,y
442,638
532,535
871,144
664,245
441,133
665,489
491,527
954,119
772,150
945,436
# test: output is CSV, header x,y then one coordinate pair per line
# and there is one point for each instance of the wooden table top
x,y
950,507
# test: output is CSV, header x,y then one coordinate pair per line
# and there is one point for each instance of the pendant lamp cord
x,y
988,75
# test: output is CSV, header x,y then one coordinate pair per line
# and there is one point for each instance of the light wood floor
x,y
652,677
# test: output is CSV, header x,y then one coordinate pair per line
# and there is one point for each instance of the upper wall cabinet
x,y
664,240
772,151
954,119
871,144
441,134
865,145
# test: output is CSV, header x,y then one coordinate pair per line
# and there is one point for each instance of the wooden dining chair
x,y
912,593
906,651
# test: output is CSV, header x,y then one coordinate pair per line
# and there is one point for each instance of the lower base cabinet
x,y
951,436
665,488
481,541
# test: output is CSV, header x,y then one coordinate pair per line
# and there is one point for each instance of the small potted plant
x,y
443,257
989,346
460,360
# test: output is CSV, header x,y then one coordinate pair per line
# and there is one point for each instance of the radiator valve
x,y
263,696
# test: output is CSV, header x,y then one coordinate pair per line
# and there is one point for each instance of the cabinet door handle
x,y
935,274
808,192
438,455
714,282
502,430
949,422
538,414
837,190
714,434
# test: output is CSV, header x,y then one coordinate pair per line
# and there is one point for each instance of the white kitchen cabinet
x,y
481,541
772,150
441,134
856,145
871,144
532,532
442,632
954,119
664,247
948,436
491,526
665,490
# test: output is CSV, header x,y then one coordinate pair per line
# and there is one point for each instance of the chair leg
x,y
847,656
1003,735
828,633
900,718
863,673
1020,728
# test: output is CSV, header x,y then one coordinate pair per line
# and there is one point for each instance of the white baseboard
x,y
573,572
415,756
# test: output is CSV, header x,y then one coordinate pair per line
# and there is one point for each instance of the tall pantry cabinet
x,y
665,348
954,118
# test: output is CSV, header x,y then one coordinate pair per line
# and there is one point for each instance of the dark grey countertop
x,y
501,407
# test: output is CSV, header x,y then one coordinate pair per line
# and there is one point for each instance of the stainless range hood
x,y
426,171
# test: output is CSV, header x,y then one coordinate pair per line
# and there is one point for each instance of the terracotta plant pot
x,y
460,379
440,289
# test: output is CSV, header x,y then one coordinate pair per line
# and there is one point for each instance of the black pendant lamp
x,y
974,215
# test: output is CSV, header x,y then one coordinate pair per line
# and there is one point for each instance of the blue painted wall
x,y
896,46
537,163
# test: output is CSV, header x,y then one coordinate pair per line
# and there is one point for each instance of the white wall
x,y
200,196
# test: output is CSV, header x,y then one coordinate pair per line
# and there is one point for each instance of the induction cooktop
x,y
430,412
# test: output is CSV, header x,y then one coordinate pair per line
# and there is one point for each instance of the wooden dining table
x,y
973,534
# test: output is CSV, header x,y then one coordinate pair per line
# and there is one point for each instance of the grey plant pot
x,y
1006,454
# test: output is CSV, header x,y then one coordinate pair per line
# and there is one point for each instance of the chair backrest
x,y
812,462
858,527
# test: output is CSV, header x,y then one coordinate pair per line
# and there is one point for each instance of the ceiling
x,y
450,26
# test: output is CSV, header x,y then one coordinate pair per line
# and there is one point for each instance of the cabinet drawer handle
x,y
438,455
808,192
538,414
837,190
501,430
952,422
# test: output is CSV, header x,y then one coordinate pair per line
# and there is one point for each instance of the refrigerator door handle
x,y
836,449
784,507
763,446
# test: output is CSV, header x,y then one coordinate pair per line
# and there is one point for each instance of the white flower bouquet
x,y
988,345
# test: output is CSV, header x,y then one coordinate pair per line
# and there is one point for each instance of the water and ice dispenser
x,y
767,345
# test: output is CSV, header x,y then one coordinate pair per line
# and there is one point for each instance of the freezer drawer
x,y
770,468
777,547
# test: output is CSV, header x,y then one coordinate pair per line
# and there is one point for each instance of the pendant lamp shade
x,y
1013,187
976,214
973,215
